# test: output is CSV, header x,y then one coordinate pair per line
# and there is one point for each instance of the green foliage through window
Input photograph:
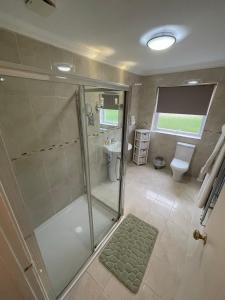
x,y
180,122
110,117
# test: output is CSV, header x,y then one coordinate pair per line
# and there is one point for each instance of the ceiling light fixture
x,y
193,82
161,42
2,79
64,67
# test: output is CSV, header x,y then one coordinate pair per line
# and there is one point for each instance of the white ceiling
x,y
112,31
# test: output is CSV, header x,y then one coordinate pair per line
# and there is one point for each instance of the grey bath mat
x,y
127,253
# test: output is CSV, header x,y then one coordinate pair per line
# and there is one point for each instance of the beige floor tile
x,y
99,273
157,221
116,291
87,289
162,277
145,293
172,248
161,208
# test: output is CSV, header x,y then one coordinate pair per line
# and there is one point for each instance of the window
x,y
109,117
182,110
191,125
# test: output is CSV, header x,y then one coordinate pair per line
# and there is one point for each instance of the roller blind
x,y
192,100
110,101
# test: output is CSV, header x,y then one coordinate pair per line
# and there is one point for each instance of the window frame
x,y
102,119
177,132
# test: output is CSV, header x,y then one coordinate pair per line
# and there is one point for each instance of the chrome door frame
x,y
85,157
124,150
124,145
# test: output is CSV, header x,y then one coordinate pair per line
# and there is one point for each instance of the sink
x,y
115,148
113,151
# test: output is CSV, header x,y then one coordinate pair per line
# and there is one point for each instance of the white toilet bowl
x,y
179,167
181,162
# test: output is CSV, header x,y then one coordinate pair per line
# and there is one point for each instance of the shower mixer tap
x,y
90,115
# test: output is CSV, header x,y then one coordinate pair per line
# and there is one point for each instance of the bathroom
x,y
68,179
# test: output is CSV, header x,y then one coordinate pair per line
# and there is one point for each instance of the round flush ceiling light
x,y
161,42
64,67
2,79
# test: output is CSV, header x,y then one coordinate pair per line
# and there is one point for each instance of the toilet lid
x,y
179,164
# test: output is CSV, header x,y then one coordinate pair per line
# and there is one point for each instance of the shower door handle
x,y
28,267
118,167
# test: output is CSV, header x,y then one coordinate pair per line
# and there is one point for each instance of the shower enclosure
x,y
54,137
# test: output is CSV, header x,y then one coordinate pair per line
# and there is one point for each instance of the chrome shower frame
x,y
16,70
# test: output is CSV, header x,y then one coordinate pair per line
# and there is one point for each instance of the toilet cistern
x,y
113,152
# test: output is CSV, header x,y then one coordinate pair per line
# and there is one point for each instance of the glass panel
x,y
180,122
38,122
104,128
109,117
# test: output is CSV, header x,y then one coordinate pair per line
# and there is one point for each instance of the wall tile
x,y
31,176
8,46
60,196
88,67
40,208
8,180
13,86
33,53
68,120
17,124
55,166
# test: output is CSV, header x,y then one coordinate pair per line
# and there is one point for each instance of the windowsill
x,y
108,127
189,136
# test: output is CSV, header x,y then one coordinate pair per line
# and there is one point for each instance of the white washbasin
x,y
115,147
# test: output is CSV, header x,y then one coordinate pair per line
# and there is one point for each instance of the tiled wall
x,y
164,145
39,125
38,122
30,52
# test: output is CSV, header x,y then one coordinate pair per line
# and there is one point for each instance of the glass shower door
x,y
63,142
104,109
39,127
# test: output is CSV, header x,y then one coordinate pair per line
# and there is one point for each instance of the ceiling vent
x,y
41,7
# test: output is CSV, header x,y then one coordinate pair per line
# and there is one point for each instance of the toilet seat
x,y
179,164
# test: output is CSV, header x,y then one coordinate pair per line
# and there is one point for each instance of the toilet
x,y
181,162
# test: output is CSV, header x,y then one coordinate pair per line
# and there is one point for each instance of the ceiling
x,y
115,31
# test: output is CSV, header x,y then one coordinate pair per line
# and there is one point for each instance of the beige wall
x,y
162,144
38,123
23,50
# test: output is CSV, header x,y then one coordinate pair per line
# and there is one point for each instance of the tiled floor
x,y
153,196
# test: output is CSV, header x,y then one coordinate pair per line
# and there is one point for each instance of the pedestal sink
x,y
114,156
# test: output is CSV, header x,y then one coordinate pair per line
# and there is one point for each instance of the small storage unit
x,y
141,146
